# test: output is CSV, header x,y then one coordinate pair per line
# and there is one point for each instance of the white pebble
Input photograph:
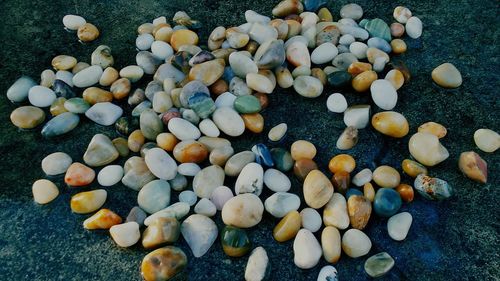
x,y
208,128
110,175
346,39
73,22
357,116
205,207
144,41
364,176
311,219
336,103
324,53
413,27
399,225
383,94
44,191
188,196
188,169
161,50
358,49
125,234
65,76
56,163
276,181
487,140
225,100
41,96
220,196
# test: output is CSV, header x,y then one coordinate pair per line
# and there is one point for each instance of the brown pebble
x,y
302,167
87,32
341,181
263,99
219,87
406,192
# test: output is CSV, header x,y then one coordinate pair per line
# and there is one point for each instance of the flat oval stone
x,y
447,75
414,27
356,243
339,79
200,233
331,244
277,132
188,169
311,219
250,179
399,225
220,196
220,155
88,201
60,124
383,94
229,121
41,96
207,180
281,203
243,210
317,189
207,72
125,234
378,28
73,22
427,149
150,124
324,53
190,151
432,188
208,128
56,163
247,104
154,196
387,202
202,104
308,86
306,249
188,196
351,11
276,180
161,164
104,113
336,103
100,151
27,117
362,177
335,212
19,91
183,129
110,175
163,263
88,76
390,123
379,264
487,140
269,55
44,191
282,159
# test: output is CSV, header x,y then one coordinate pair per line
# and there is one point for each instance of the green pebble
x,y
150,124
247,104
378,28
282,159
339,79
76,105
235,241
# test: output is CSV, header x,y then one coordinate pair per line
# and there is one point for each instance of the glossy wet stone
x,y
447,75
247,104
79,175
359,209
487,140
335,212
235,241
154,196
355,243
163,264
387,202
243,210
88,201
406,192
379,264
427,149
399,225
44,191
317,189
473,166
103,219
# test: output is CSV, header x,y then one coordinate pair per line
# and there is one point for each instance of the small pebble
x,y
487,140
277,132
288,227
447,75
399,225
414,27
73,22
79,175
110,175
342,162
126,234
88,201
276,181
328,273
427,149
406,192
311,219
336,103
317,189
432,188
386,176
161,231
307,250
335,212
103,219
281,203
401,14
356,243
362,177
163,264
87,32
257,267
205,207
379,264
348,139
44,191
387,202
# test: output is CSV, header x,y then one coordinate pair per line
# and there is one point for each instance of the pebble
x,y
102,57
270,55
336,103
260,32
41,96
355,243
183,129
177,210
346,39
207,72
100,151
398,46
150,124
73,22
188,169
154,196
188,197
427,149
56,163
348,139
205,207
137,173
207,180
297,54
308,86
63,62
328,273
183,37
302,167
200,233
311,219
282,159
144,41
104,113
110,175
359,209
243,210
303,149
60,124
281,203
324,53
432,188
379,264
342,162
341,181
208,128
65,76
276,181
399,225
235,241
220,196
306,249
87,32
88,76
250,179
257,267
401,14
125,234
396,78
163,264
88,201
161,164
356,32
351,11
447,75
378,28
76,105
94,95
247,103
47,78
241,64
57,107
103,219
190,151
235,163
287,7
161,231
228,121
254,122
414,27
369,191
132,72
358,49
433,128
406,192
331,243
364,80
44,191
277,132
78,174
19,91
413,168
288,227
335,212
220,155
487,140
317,189
362,177
391,123
384,95
27,117
387,202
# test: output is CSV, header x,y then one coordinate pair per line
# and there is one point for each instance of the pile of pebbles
x,y
177,137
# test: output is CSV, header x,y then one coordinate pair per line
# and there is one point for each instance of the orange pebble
x,y
342,162
79,175
103,219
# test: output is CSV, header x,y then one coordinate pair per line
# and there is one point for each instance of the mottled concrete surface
x,y
454,240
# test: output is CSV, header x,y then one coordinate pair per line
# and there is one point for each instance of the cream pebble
x,y
73,22
44,191
487,140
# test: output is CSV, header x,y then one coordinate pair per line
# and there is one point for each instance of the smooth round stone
x,y
154,196
277,132
163,264
207,72
297,54
183,129
125,234
177,210
76,105
447,75
257,267
356,243
103,219
247,104
238,87
88,76
378,28
40,96
399,225
161,164
401,14
331,244
432,188
427,149
60,124
27,117
303,149
308,86
396,78
250,179
73,22
188,169
102,57
162,102
225,100
335,212
161,50
207,180
433,128
87,32
348,139
183,37
179,182
63,62
328,273
387,202
44,191
287,227
311,219
339,79
200,233
208,128
346,39
342,163
65,76
336,103
281,203
413,168
276,180
391,123
383,94
132,72
243,210
19,91
324,53
487,140
364,80
241,64
261,33
259,83
351,11
237,162
88,201
57,107
104,113
205,207
220,155
235,241
56,163
414,27
379,264
306,249
317,189
379,43
150,124
220,196
137,173
110,175
229,121
282,159
188,197
362,177
358,49
344,60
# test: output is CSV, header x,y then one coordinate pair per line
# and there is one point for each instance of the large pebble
x,y
250,179
18,92
104,113
163,264
306,249
355,243
308,86
229,121
317,189
125,234
44,191
335,212
357,116
258,265
88,76
41,96
27,117
244,210
281,203
241,64
487,140
379,264
391,123
88,201
427,149
161,164
100,151
110,175
432,188
414,27
399,225
383,94
331,243
276,181
387,202
200,233
183,129
447,75
154,196
207,180
56,163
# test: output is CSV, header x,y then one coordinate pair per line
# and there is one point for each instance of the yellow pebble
x,y
386,176
94,95
413,168
63,62
342,162
302,149
396,78
183,37
103,219
358,67
433,128
87,32
166,141
136,140
331,244
88,201
398,46
369,191
253,122
288,227
364,80
391,123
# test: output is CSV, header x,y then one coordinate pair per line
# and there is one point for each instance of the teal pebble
x,y
61,124
352,191
387,202
339,79
202,104
378,28
247,104
282,159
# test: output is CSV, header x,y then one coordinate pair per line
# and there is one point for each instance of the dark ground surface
x,y
455,240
